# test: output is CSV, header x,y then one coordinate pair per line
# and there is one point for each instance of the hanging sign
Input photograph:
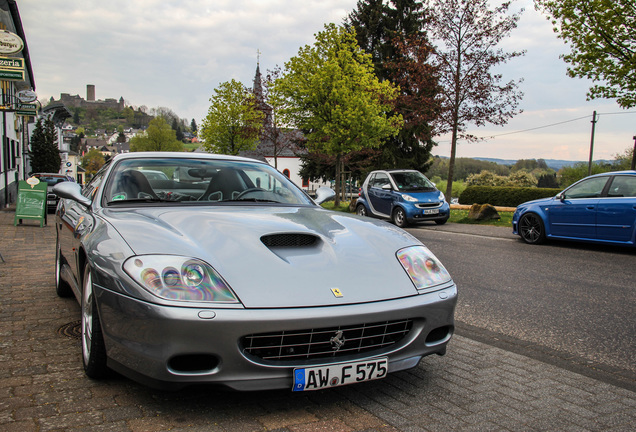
x,y
11,69
10,43
26,96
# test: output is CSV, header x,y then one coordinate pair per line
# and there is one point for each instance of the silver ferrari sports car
x,y
225,272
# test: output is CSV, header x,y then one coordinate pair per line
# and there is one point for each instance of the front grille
x,y
289,240
428,205
325,343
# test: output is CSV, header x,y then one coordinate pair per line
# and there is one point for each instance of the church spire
x,y
258,85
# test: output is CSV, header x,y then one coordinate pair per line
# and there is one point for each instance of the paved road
x,y
570,300
476,386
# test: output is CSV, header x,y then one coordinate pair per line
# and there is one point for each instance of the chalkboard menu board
x,y
31,201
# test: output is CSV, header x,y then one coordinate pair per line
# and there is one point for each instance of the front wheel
x,y
399,217
531,229
361,210
93,348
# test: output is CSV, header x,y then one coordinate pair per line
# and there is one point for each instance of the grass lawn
x,y
457,215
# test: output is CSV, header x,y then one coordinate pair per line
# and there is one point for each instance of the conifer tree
x,y
45,155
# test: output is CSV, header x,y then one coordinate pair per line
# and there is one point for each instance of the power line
x,y
552,125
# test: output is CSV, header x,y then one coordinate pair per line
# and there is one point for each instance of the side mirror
x,y
387,187
560,196
324,194
72,191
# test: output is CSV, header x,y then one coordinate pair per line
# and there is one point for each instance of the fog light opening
x,y
193,363
439,335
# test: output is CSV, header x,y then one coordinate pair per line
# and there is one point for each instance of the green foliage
x,y
461,216
391,32
158,137
602,38
333,95
330,92
572,174
44,154
458,188
92,161
108,119
503,196
623,161
234,122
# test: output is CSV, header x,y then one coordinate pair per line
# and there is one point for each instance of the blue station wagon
x,y
600,209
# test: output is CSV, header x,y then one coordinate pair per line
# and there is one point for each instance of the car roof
x,y
610,173
395,170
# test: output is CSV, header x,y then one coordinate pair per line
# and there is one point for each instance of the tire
x,y
399,217
441,221
93,348
62,288
361,210
531,229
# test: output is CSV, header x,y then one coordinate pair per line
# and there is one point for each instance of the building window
x,y
305,182
286,172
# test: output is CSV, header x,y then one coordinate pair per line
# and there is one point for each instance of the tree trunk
x,y
338,171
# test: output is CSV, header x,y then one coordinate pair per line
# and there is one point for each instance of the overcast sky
x,y
173,53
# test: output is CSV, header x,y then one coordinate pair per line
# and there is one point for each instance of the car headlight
x,y
179,278
423,267
409,198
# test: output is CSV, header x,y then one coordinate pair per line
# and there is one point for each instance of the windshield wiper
x,y
138,200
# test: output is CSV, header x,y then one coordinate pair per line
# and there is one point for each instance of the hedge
x,y
503,196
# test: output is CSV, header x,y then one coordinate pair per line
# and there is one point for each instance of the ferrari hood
x,y
278,256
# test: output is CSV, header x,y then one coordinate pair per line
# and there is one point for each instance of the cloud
x,y
174,53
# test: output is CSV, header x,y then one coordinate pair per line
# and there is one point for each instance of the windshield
x,y
412,181
197,180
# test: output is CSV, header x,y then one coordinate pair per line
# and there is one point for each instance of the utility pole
x,y
634,154
589,165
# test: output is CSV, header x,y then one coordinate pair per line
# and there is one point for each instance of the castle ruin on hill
x,y
76,101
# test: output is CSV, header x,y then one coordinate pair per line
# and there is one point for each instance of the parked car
x,y
224,282
403,196
600,209
52,179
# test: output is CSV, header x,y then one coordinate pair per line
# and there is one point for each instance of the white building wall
x,y
293,165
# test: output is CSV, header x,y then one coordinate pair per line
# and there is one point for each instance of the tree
x,y
45,155
468,32
92,161
234,122
193,127
158,137
331,93
602,38
391,32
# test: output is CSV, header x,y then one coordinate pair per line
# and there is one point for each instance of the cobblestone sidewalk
x,y
475,387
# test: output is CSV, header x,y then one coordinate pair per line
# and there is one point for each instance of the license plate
x,y
431,211
316,378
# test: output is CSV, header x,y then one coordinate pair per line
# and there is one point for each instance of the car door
x,y
379,193
75,219
616,213
574,214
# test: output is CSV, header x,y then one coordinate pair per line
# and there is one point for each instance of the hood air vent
x,y
289,240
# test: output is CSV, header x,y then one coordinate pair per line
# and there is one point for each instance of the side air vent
x,y
289,240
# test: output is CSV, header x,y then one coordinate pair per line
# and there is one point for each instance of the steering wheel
x,y
248,191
